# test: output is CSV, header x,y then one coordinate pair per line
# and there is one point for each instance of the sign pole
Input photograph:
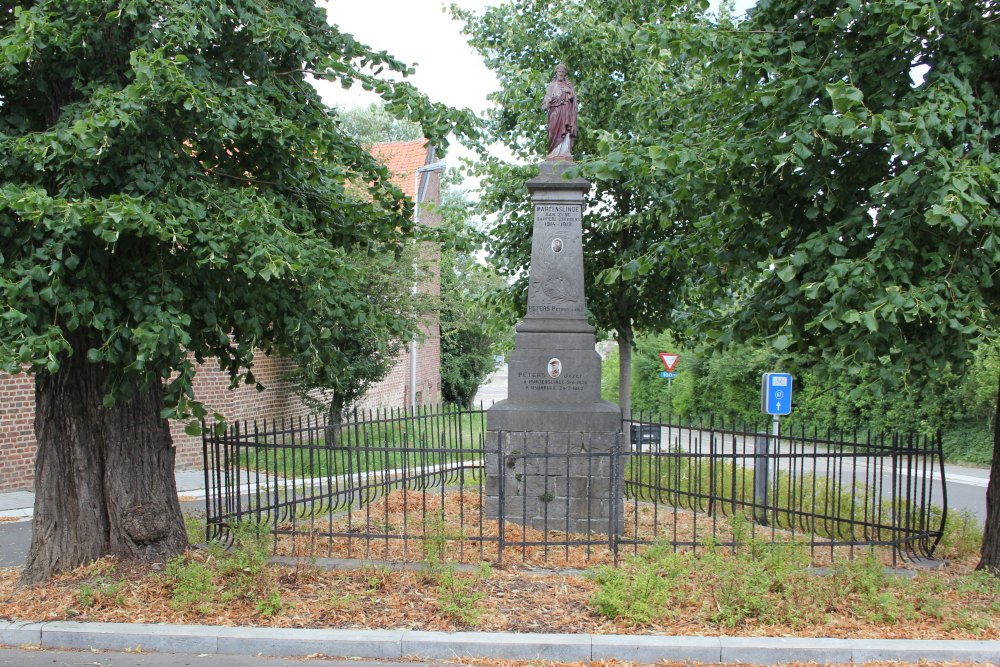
x,y
775,400
775,433
669,360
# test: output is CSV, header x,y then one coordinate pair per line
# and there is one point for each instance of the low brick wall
x,y
17,431
17,415
211,386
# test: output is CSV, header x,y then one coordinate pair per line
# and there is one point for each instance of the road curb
x,y
396,644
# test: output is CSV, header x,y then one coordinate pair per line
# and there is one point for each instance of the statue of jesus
x,y
560,103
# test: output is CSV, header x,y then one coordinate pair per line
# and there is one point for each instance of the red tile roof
x,y
403,158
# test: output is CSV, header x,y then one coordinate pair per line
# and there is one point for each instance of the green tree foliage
x,y
388,313
381,285
725,382
375,125
839,207
173,187
521,42
477,313
476,325
846,206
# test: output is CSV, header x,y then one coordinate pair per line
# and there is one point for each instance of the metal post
x,y
772,456
501,500
760,466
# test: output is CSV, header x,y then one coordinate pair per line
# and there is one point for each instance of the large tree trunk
x,y
104,477
990,559
625,338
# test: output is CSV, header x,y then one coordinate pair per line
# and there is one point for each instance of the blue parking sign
x,y
776,394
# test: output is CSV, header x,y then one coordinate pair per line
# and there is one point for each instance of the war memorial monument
x,y
555,467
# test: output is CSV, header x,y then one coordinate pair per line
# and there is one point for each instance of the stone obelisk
x,y
554,463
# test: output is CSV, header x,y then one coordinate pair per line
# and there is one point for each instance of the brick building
x,y
415,378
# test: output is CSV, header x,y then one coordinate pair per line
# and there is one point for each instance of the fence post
x,y
208,484
760,468
502,501
613,498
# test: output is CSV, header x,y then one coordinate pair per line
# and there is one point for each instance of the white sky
x,y
421,32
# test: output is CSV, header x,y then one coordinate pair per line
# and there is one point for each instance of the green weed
x,y
458,596
194,524
193,585
239,572
271,604
963,536
376,578
882,597
100,592
633,592
242,569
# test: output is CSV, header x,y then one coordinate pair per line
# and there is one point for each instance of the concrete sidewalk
x,y
19,505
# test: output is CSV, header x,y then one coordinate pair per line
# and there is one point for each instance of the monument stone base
x,y
557,469
554,446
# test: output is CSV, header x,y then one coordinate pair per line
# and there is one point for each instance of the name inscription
x,y
535,381
557,215
555,309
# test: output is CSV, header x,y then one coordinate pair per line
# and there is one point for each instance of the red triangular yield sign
x,y
669,360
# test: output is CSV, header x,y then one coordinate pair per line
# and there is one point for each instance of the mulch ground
x,y
512,601
518,597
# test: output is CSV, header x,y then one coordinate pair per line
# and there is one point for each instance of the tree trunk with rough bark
x,y
625,338
104,477
990,554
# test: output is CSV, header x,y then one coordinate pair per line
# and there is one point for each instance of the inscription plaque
x,y
557,215
544,381
556,289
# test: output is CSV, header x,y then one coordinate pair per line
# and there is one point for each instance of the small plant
x,y
192,584
342,601
634,592
101,591
436,538
963,536
644,588
242,568
881,597
458,597
546,497
745,595
194,524
376,578
271,605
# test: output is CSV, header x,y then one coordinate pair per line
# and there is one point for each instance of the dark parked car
x,y
645,436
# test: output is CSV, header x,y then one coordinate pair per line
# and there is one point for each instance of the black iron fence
x,y
406,486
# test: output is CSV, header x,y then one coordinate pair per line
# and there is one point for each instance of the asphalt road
x,y
965,487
